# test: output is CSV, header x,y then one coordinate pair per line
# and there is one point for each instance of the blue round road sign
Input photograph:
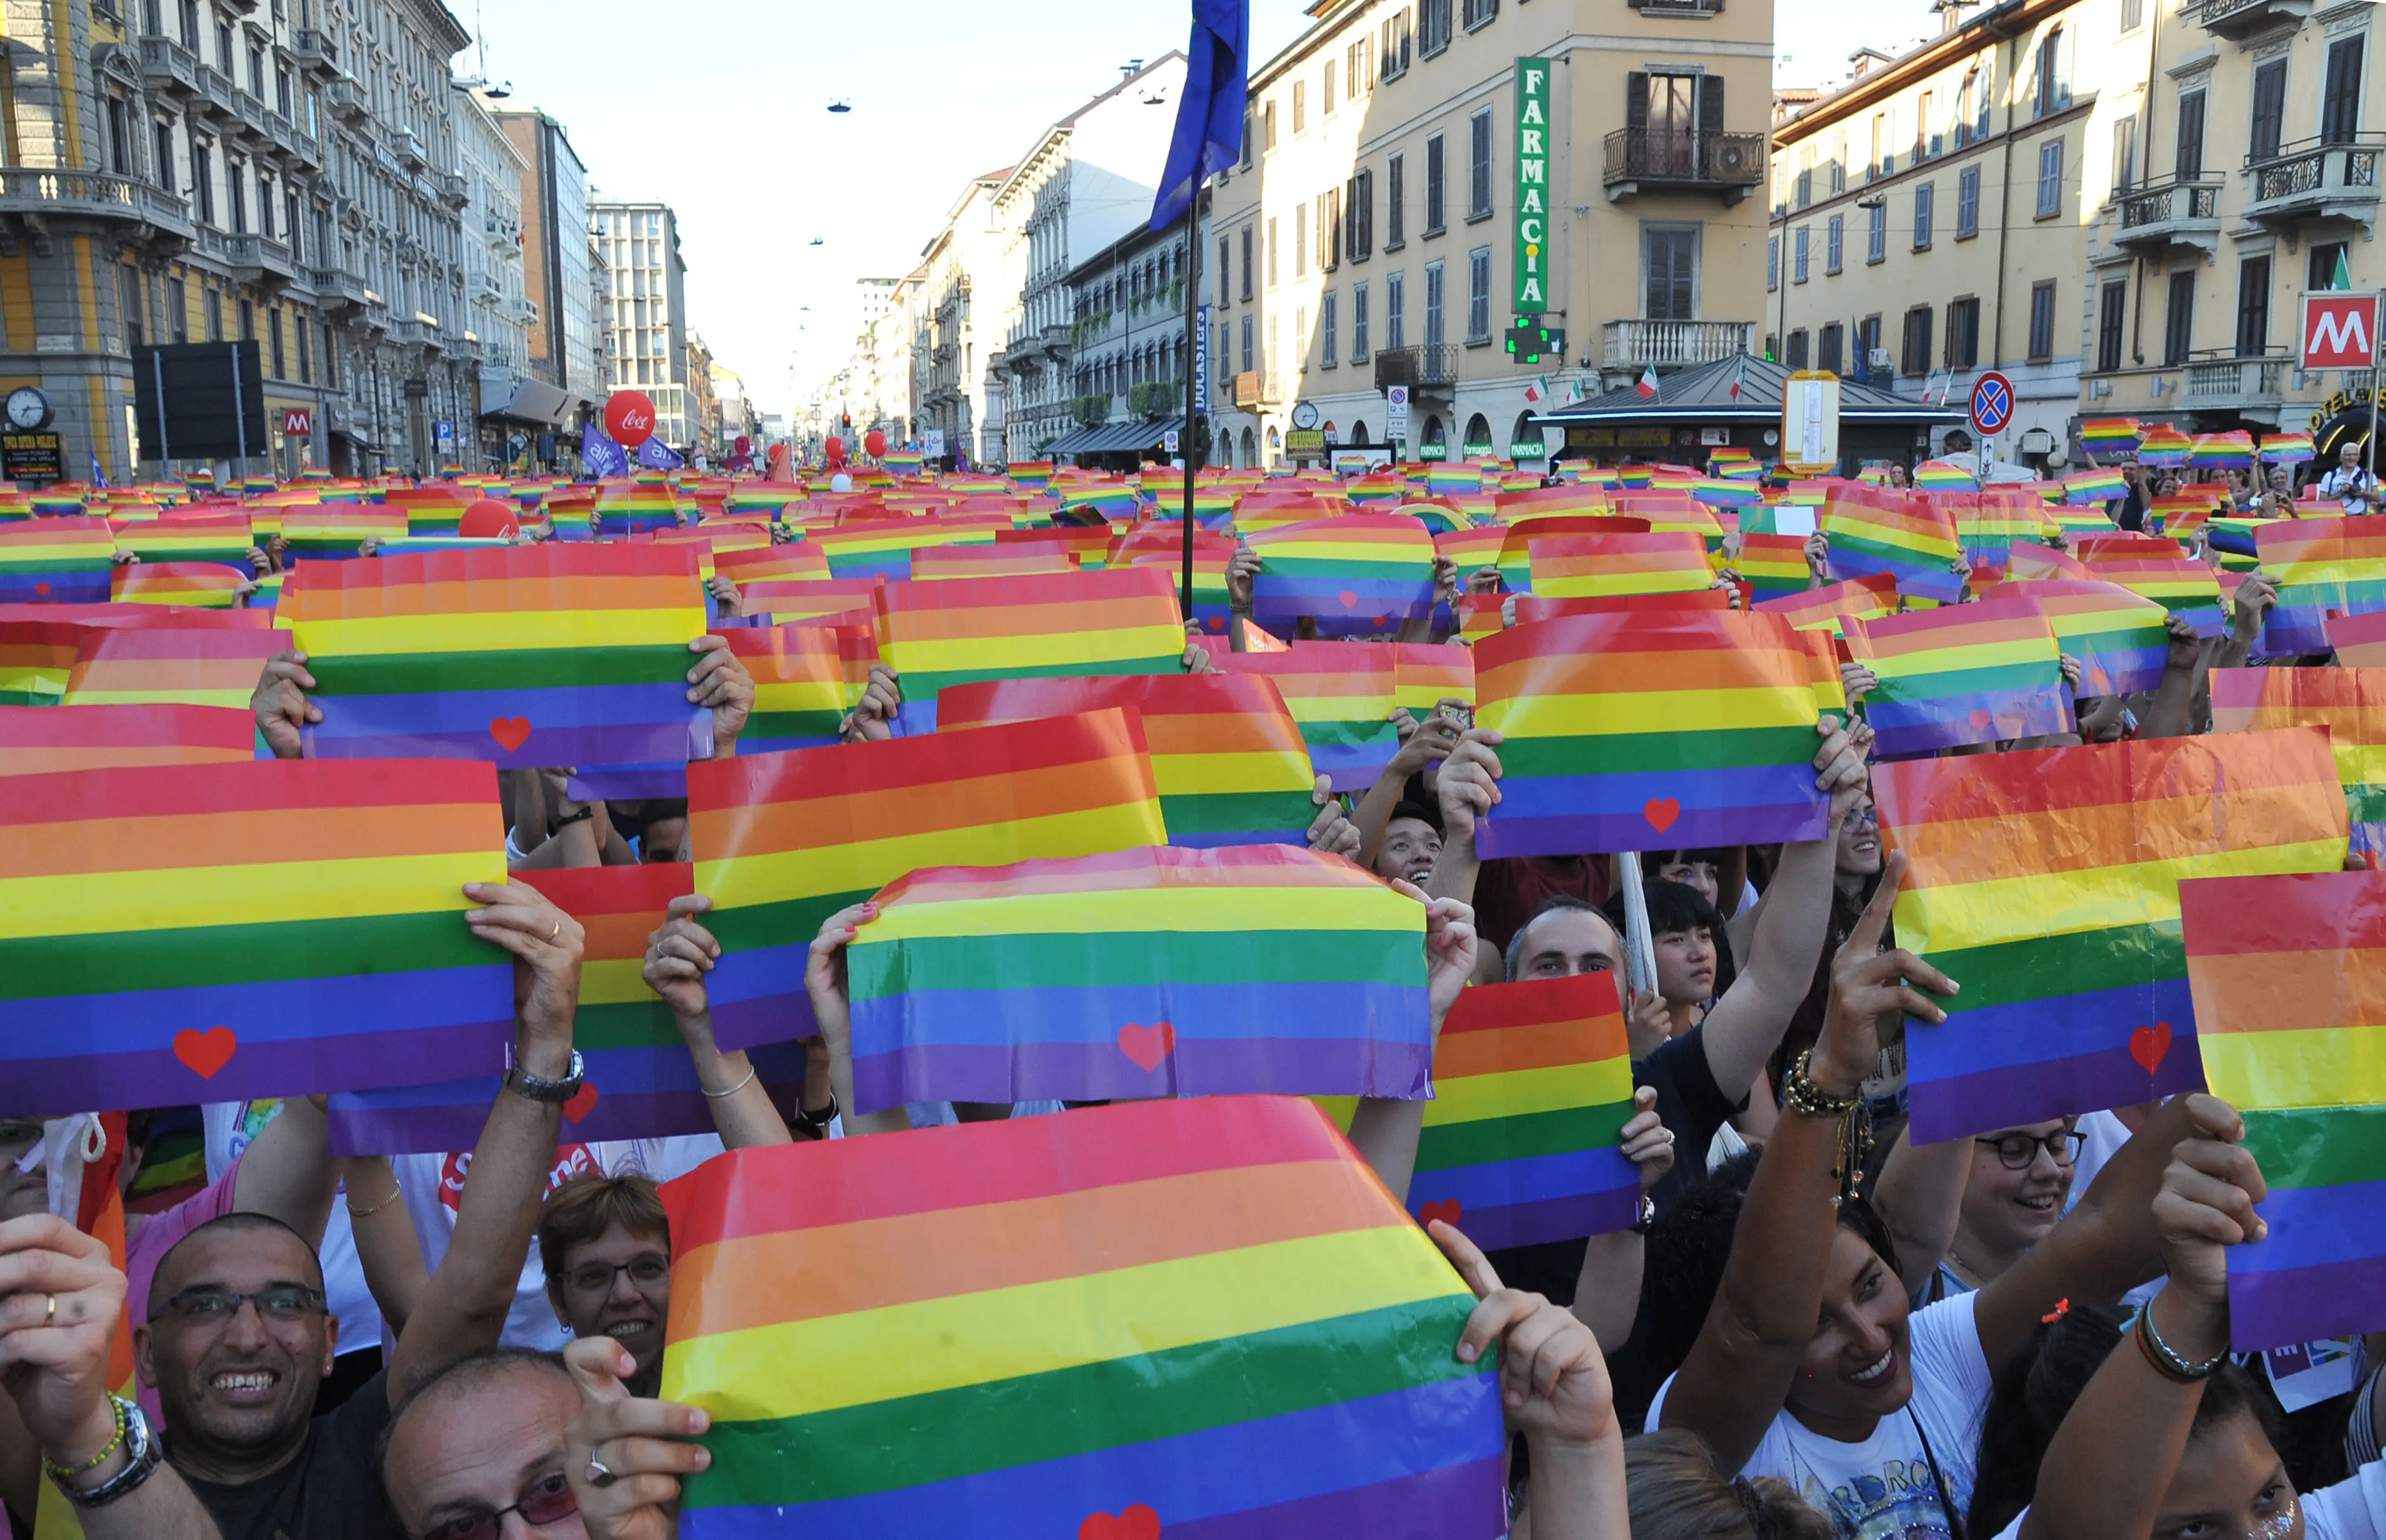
x,y
1992,403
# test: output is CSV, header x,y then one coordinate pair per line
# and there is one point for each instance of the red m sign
x,y
2339,331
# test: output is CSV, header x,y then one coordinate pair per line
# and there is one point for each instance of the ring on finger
x,y
556,931
599,1473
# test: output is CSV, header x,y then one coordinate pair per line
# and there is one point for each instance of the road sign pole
x,y
2374,340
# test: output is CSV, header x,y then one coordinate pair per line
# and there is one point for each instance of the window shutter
x,y
1710,103
1635,99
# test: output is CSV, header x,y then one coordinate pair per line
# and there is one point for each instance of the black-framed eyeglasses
x,y
18,1136
648,1270
2019,1150
544,1502
283,1302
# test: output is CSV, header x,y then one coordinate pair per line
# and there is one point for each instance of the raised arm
x,y
1920,1199
1383,1130
1468,787
1746,1025
387,1247
1421,744
2190,659
678,957
1607,1289
1741,1368
825,982
464,1307
287,1172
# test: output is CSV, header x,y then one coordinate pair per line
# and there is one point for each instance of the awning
x,y
538,404
1135,436
1073,441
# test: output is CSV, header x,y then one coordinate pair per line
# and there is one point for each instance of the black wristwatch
x,y
538,1088
816,1123
555,826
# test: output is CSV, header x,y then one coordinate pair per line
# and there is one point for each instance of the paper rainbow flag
x,y
36,740
2349,702
965,630
1342,694
55,560
1971,673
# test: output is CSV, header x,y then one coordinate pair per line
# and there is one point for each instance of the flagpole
x,y
1192,346
2377,309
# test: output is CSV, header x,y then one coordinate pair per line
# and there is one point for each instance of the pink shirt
x,y
148,1245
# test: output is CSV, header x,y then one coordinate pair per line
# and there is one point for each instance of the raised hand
x,y
1241,567
624,1456
1856,681
546,945
679,955
1483,580
1468,783
2256,597
873,719
1818,555
725,590
1332,830
1450,949
1866,983
720,682
825,975
281,704
1554,1380
60,1301
1645,1139
2207,1198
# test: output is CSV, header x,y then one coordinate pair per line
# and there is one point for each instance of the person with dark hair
x,y
1686,930
1411,844
2144,1428
1676,1491
606,1244
1718,874
1808,1366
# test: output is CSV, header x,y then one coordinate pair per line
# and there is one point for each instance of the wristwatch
x,y
145,1454
1648,1220
538,1088
816,1123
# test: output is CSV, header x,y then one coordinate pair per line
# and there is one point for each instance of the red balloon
x,y
834,452
488,518
873,443
629,418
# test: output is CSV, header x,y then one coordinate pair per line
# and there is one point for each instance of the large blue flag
x,y
1209,116
655,454
599,456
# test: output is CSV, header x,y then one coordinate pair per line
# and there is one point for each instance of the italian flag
x,y
1538,389
1647,385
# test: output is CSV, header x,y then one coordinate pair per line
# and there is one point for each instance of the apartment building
x,y
1422,175
960,391
1933,217
569,304
648,301
1127,345
498,307
2256,180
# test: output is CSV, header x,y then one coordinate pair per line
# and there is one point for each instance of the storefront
x,y
1736,404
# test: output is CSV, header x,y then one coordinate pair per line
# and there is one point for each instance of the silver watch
x,y
538,1088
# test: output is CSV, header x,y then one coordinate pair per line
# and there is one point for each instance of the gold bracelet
x,y
396,1191
1802,1095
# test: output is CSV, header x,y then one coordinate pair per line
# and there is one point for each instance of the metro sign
x,y
297,421
2339,331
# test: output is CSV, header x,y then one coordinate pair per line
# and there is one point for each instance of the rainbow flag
x,y
2228,451
205,538
2177,583
1532,1083
1211,607
1969,673
2359,640
992,561
901,462
1517,541
1831,606
169,664
1203,1317
2046,883
65,500
2119,639
773,563
1692,727
1481,615
1945,476
1473,549
2320,564
1772,565
527,657
1439,479
337,534
1993,525
36,656
1873,532
637,1082
1531,608
55,560
1031,475
2286,448
228,931
1342,694
883,547
805,679
2309,1082
968,629
1356,573
1155,971
1089,544
631,508
2110,435
1115,500
36,740
1226,755
783,841
1592,566
1426,673
2349,702
2177,517
197,584
2095,488
2164,448
846,601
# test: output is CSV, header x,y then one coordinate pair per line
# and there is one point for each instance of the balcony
x,y
167,66
1674,159
410,150
316,49
2223,379
258,259
283,133
1674,344
1056,341
1417,368
305,149
346,98
2170,213
1256,388
36,196
525,310
2240,19
451,189
2316,181
1154,398
341,292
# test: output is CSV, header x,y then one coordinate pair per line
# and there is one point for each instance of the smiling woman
x,y
606,1244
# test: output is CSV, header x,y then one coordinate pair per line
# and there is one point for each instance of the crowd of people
x,y
1818,1327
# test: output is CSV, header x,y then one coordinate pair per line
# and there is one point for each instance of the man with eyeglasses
x,y
2016,1189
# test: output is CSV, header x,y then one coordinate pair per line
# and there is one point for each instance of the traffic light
x,y
1531,343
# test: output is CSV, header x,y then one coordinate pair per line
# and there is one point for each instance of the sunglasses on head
x,y
546,1500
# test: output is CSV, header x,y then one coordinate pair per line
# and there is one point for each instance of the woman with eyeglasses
x,y
2017,1185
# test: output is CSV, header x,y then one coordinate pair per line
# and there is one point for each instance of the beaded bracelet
x,y
63,1473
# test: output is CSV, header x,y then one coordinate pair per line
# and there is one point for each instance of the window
x,y
1924,198
1916,356
1248,360
1433,168
2269,109
215,316
119,137
2050,179
1358,219
282,90
2340,97
1226,266
1926,137
1773,264
1433,294
1805,182
2041,320
264,204
2187,163
2133,15
1396,45
1247,263
1433,27
2320,268
1328,341
1966,95
1299,106
127,305
1839,162
1358,323
1826,347
1395,203
2178,319
1963,333
1300,334
306,363
1479,295
1479,13
1798,254
1301,241
2112,317
191,25
1478,165
223,47
1325,89
1329,229
1797,359
1967,203
203,183
2125,153
273,340
256,73
1669,257
161,152
2052,67
1396,300
1248,139
1267,127
1867,342
1883,159
2253,307
1876,233
177,307
1835,243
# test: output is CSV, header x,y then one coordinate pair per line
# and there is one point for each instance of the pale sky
x,y
721,108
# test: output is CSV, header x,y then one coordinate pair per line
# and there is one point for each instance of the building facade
x,y
1410,190
567,350
648,301
960,394
498,306
1934,218
1127,344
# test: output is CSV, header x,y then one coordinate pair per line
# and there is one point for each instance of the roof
x,y
1114,436
2000,20
1703,395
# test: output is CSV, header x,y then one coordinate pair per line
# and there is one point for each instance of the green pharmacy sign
x,y
1532,186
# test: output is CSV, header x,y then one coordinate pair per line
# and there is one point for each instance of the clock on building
x,y
28,409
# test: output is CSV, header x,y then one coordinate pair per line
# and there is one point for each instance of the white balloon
x,y
840,483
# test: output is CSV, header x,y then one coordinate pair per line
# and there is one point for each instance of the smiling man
x,y
606,1241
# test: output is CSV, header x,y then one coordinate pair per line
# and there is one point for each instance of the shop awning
x,y
1074,441
538,402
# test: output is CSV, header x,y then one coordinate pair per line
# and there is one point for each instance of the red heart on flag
x,y
2150,1046
1661,814
1148,1046
1984,718
582,1102
41,588
510,732
1139,1522
1350,600
1447,1211
204,1053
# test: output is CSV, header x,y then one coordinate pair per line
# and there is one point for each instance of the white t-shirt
x,y
1881,1489
228,1129
2352,1509
434,1183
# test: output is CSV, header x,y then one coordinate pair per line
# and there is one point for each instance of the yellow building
x,y
1934,217
1405,173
